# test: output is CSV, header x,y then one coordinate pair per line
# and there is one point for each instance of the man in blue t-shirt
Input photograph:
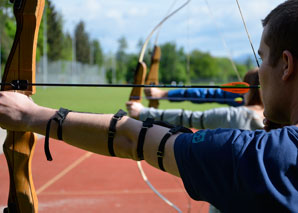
x,y
235,170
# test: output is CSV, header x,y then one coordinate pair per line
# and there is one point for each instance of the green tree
x,y
110,68
121,60
171,66
66,52
55,36
242,69
97,53
183,64
249,63
131,64
203,66
226,72
7,31
82,43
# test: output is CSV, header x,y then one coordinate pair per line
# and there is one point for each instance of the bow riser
x,y
152,77
18,149
139,77
19,146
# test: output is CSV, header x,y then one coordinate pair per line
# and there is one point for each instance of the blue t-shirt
x,y
239,170
202,95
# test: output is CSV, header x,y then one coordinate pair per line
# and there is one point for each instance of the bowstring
x,y
223,41
247,33
167,13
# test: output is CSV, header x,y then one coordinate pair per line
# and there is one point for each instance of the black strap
x,y
112,130
59,117
181,117
162,114
202,120
148,123
190,119
161,148
164,124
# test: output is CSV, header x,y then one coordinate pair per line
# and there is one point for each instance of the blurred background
x,y
96,41
99,41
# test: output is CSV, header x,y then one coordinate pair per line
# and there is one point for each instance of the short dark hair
x,y
282,34
254,97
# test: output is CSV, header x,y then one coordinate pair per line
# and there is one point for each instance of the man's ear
x,y
288,64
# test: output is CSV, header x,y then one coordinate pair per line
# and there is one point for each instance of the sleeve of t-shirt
x,y
231,117
202,95
229,167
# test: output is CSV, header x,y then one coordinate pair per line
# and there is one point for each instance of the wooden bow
x,y
140,73
19,146
139,78
152,76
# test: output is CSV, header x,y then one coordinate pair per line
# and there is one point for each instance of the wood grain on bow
x,y
152,76
139,77
19,146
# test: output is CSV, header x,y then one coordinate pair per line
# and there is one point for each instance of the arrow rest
x,y
19,84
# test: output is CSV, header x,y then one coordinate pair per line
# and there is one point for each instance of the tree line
x,y
175,65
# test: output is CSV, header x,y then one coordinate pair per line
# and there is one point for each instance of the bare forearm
x,y
89,131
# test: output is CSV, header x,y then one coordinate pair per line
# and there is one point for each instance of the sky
x,y
213,26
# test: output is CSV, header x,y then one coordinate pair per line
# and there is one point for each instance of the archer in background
x,y
234,170
250,116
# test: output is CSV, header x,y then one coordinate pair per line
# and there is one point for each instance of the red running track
x,y
77,181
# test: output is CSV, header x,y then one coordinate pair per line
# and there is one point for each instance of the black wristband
x,y
59,117
148,123
112,130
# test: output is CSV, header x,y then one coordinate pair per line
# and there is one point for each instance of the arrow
x,y
233,87
237,100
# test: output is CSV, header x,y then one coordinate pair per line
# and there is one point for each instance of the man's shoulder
x,y
239,139
255,166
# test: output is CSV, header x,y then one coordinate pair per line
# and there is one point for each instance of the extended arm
x,y
87,131
196,95
224,117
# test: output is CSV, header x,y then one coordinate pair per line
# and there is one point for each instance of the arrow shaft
x,y
129,85
192,99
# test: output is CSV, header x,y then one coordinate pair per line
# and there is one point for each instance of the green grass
x,y
101,100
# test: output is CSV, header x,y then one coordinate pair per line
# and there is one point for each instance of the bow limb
x,y
152,76
19,146
136,95
157,27
140,72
